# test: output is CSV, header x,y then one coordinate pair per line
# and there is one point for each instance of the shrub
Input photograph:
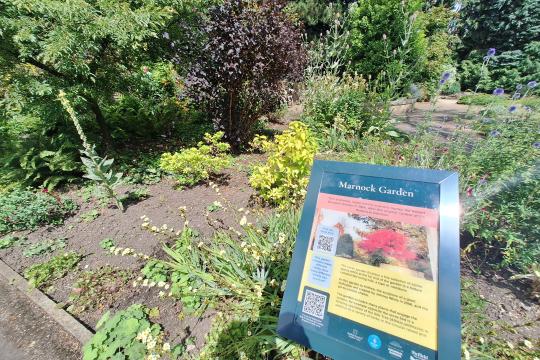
x,y
41,275
346,104
193,165
285,176
386,39
129,334
25,209
252,50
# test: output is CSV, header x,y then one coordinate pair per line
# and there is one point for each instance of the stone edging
x,y
68,322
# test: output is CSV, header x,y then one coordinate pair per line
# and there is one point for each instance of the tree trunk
x,y
102,123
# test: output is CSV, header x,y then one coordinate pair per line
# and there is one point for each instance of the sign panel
x,y
375,271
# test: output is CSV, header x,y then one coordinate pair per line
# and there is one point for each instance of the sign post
x,y
375,271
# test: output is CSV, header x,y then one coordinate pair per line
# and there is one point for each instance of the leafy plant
x,y
44,247
196,164
215,206
90,215
11,241
26,209
97,168
129,334
243,277
252,49
156,271
344,105
107,243
94,289
284,177
43,274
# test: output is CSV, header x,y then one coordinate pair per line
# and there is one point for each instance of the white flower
x,y
161,284
241,209
200,244
152,284
139,278
135,284
145,282
161,294
166,287
126,251
154,228
243,244
166,347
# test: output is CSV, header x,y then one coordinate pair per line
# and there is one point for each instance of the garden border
x,y
60,316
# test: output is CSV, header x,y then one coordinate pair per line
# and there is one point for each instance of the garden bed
x,y
92,223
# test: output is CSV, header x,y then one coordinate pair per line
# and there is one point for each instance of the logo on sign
x,y
374,342
415,355
395,350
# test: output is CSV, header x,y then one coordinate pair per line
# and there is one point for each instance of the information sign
x,y
375,271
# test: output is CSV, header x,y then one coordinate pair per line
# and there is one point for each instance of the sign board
x,y
375,271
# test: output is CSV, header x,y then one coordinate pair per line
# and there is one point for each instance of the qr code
x,y
325,243
314,304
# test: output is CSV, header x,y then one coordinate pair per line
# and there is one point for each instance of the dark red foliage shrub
x,y
253,51
390,242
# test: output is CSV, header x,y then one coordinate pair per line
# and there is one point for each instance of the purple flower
x,y
446,75
519,87
498,91
442,82
166,35
512,108
491,52
494,133
516,96
527,108
482,181
532,84
536,145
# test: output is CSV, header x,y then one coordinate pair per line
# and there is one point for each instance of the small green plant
x,y
129,335
94,289
98,169
284,177
136,195
26,209
215,206
196,164
107,243
45,247
11,241
41,275
90,215
156,271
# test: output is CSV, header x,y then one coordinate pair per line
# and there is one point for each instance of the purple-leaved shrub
x,y
253,50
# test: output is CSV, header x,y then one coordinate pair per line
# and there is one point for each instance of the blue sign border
x,y
448,322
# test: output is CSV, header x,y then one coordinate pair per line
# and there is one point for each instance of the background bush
x,y
251,50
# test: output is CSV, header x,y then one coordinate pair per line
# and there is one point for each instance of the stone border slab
x,y
68,322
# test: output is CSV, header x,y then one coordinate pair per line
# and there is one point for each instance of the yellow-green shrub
x,y
193,165
284,177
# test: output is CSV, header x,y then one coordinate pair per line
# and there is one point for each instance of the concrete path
x,y
447,118
27,333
